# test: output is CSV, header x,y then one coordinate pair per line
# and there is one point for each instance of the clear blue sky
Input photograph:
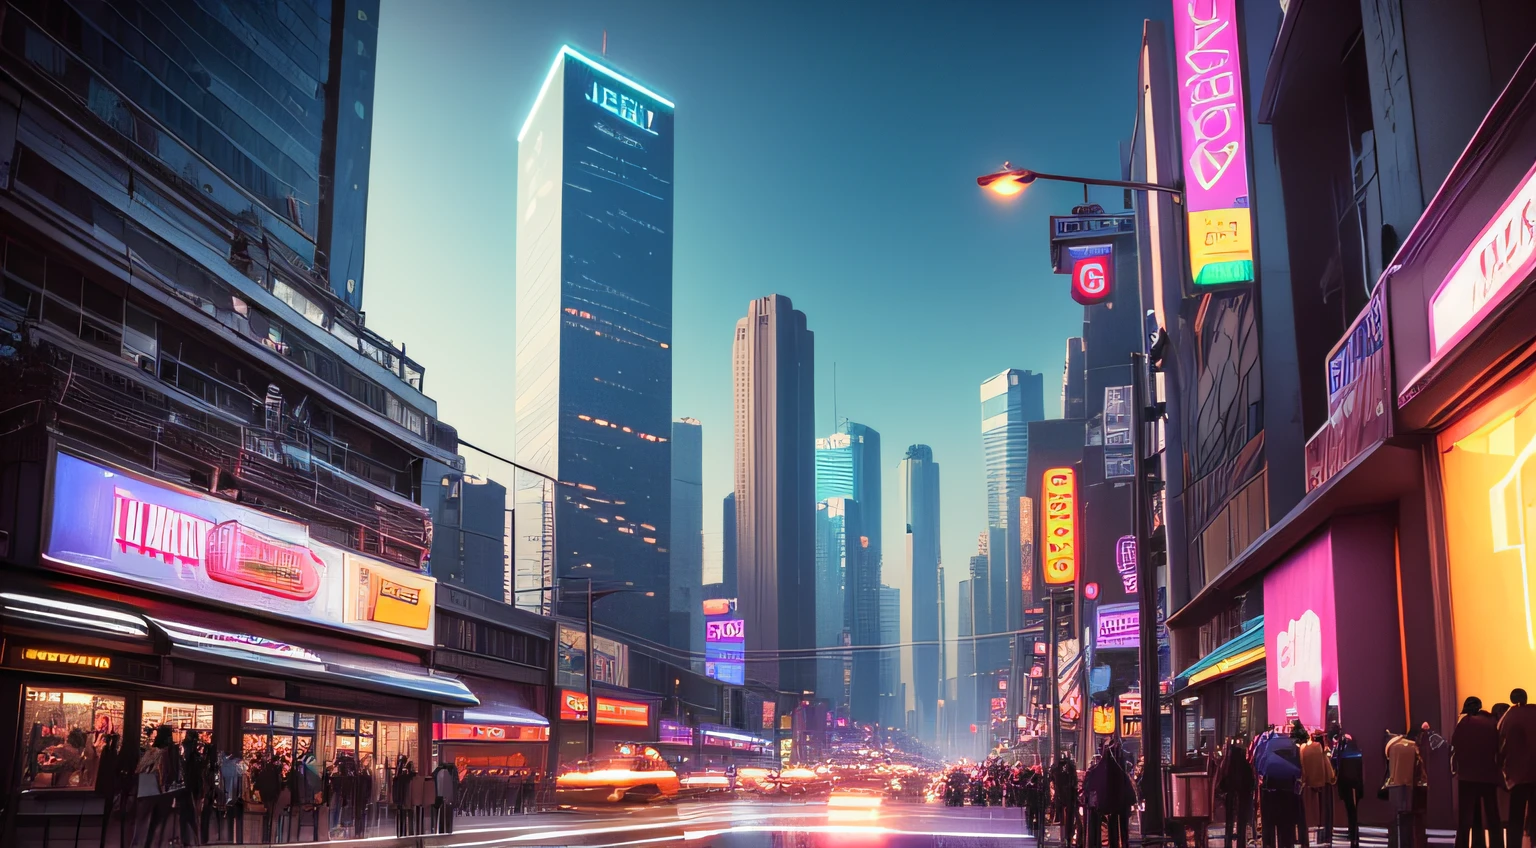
x,y
825,150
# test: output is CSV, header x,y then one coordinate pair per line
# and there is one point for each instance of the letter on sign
x,y
1059,526
1093,279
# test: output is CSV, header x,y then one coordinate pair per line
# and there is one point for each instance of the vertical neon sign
x,y
1214,141
1059,536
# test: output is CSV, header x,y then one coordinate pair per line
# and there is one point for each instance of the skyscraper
x,y
728,547
920,485
773,358
594,328
1009,401
892,701
837,522
687,563
848,466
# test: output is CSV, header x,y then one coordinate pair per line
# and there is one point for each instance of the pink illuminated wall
x,y
1300,639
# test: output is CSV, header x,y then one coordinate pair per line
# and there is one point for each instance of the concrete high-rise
x,y
773,362
687,562
594,329
892,700
728,547
920,486
848,467
1009,401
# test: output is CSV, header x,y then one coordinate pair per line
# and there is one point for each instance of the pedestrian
x,y
1235,785
1064,805
1405,774
1475,765
1092,795
157,775
1278,766
1119,797
1517,753
1349,766
1317,780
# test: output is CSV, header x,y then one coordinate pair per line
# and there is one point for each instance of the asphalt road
x,y
749,824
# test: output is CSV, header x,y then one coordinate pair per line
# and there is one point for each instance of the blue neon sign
x,y
627,108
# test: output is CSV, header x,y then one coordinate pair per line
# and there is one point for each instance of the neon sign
x,y
1214,141
1125,562
627,108
1501,256
1060,525
1119,626
1027,546
66,658
573,707
731,630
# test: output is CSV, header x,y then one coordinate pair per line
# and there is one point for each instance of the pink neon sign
x,y
1501,256
1214,141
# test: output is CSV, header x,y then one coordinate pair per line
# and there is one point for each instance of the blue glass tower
x,y
848,468
594,328
1009,401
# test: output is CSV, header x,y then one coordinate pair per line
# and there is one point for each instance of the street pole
x,y
1146,586
1051,675
591,669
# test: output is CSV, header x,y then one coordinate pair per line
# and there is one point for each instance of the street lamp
x,y
1010,181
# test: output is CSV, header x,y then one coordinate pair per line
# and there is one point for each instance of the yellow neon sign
x,y
1059,526
66,658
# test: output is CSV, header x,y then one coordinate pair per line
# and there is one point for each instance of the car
x,y
637,775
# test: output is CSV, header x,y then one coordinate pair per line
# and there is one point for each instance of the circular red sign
x,y
1091,591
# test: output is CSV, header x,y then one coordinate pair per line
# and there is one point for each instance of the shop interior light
x,y
109,619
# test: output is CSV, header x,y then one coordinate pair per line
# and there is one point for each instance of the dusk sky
x,y
826,151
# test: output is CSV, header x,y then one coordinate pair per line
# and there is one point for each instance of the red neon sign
x,y
573,707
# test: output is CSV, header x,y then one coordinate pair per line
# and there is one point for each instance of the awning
x,y
504,714
1244,650
58,613
261,655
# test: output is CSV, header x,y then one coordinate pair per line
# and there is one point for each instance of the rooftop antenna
x,y
834,397
605,44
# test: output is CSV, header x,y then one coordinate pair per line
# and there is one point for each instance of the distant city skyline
x,y
458,78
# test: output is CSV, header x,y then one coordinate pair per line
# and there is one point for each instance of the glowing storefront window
x,y
1489,465
66,734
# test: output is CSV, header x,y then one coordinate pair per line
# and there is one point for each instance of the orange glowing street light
x,y
1010,181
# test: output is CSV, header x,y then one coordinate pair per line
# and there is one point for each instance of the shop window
x,y
1489,488
67,734
285,736
184,718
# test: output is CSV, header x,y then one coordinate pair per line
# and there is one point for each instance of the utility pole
x,y
1143,413
591,670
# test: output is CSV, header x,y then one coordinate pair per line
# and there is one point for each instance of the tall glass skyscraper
x,y
687,560
1009,401
920,485
848,467
836,518
594,328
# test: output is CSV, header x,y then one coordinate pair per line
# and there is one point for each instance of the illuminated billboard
x,y
1494,264
129,527
1119,626
725,643
610,711
1059,525
1214,141
1300,636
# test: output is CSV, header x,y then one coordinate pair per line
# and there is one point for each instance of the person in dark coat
x,y
1277,763
1517,754
1475,763
1235,785
1119,797
1349,766
1064,804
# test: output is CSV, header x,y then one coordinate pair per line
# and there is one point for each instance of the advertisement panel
x,y
725,642
128,527
1299,636
1059,525
1027,549
1493,265
1488,480
573,707
1093,276
571,651
1118,626
1070,694
1214,141
1358,397
1125,562
1119,455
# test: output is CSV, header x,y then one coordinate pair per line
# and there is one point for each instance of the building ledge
x,y
1380,475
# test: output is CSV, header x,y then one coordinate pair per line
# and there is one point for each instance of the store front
x,y
1222,696
619,721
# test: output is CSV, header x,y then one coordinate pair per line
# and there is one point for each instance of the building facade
x,y
211,469
893,696
848,466
728,570
1009,401
919,475
594,329
469,529
774,359
687,562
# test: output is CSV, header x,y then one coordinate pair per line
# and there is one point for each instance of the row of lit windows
x,y
602,422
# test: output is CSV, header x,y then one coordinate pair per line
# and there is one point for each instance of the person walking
x,y
1517,755
1317,780
1349,767
1064,804
1278,766
1405,774
1235,785
1475,765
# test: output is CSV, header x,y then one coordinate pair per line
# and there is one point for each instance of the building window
x,y
67,731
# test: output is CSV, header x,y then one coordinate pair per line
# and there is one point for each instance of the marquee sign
x,y
573,707
1493,265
